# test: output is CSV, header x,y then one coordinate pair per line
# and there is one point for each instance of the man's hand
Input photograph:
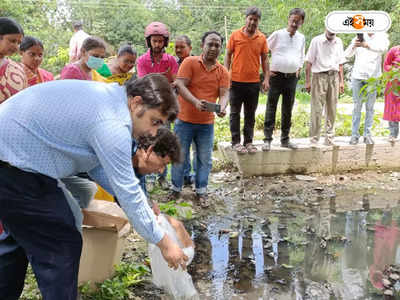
x,y
172,254
201,105
181,232
156,209
298,73
265,85
308,87
222,113
341,87
357,44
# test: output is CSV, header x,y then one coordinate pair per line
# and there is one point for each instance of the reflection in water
x,y
348,265
385,247
219,258
258,252
354,261
275,237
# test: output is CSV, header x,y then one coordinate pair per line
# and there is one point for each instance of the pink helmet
x,y
156,28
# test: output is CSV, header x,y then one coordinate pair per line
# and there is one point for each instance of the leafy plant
x,y
381,82
179,210
116,288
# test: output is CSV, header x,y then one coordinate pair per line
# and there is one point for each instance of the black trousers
x,y
285,85
40,223
245,93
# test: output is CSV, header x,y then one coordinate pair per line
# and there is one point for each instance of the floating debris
x,y
305,178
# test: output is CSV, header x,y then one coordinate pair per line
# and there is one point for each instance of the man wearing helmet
x,y
155,60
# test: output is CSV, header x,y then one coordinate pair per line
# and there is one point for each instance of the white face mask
x,y
95,63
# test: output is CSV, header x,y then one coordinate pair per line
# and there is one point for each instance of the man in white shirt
x,y
368,52
325,58
287,48
76,41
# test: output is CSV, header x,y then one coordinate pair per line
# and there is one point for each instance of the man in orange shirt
x,y
248,46
201,81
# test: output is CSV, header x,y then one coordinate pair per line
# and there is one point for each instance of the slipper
x,y
251,149
203,200
239,148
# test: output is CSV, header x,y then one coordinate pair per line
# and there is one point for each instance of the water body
x,y
335,247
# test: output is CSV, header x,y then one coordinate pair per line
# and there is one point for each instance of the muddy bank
x,y
292,237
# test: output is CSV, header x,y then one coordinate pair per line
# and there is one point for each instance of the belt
x,y
330,72
287,75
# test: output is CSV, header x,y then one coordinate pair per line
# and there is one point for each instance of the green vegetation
x,y
177,210
116,288
382,81
31,291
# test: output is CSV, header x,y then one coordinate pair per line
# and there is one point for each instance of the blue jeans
x,y
153,177
394,129
203,137
357,85
188,174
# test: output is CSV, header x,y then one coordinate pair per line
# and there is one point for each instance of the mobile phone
x,y
213,107
360,37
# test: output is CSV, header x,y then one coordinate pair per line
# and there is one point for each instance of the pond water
x,y
334,246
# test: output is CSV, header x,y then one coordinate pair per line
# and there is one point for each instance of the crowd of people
x,y
59,138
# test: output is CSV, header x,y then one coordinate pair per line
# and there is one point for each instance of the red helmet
x,y
156,28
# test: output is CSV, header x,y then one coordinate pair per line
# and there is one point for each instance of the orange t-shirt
x,y
247,52
203,84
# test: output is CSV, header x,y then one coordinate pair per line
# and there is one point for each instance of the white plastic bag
x,y
177,283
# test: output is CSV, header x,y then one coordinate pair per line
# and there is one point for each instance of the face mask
x,y
95,62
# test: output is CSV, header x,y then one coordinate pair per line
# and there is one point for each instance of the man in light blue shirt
x,y
59,129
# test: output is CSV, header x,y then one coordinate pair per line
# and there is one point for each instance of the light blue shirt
x,y
62,128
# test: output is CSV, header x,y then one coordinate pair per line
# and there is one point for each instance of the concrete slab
x,y
322,159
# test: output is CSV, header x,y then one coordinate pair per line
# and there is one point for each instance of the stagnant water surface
x,y
334,248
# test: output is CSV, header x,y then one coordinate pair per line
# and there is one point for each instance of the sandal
x,y
251,149
239,148
203,201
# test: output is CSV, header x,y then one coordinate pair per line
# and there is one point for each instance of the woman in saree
x,y
392,96
12,75
118,69
31,50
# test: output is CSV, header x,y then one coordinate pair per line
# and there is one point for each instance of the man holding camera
x,y
200,81
368,50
